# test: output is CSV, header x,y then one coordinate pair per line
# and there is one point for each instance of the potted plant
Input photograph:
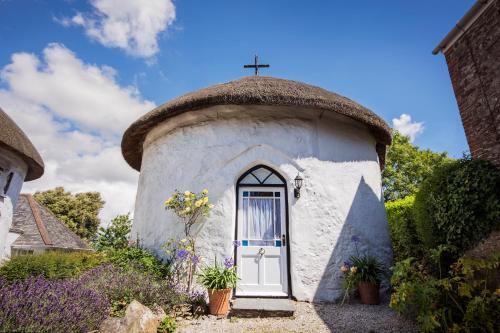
x,y
365,272
219,281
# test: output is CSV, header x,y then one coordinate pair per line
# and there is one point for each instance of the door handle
x,y
262,251
283,240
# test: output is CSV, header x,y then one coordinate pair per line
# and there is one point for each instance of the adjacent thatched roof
x,y
251,90
13,138
39,228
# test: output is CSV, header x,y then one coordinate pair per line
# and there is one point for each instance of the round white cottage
x,y
246,141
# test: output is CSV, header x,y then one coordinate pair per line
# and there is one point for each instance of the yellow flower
x,y
354,269
188,209
205,191
210,206
205,200
184,240
187,193
198,203
168,201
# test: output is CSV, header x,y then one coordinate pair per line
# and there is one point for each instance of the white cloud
x,y
405,126
131,25
74,113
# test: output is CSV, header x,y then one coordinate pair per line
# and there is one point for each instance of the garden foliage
x,y
138,258
405,242
115,236
37,304
458,205
219,276
459,301
51,264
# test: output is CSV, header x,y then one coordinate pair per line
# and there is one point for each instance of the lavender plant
x,y
37,304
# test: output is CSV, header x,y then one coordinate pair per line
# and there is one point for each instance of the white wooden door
x,y
261,258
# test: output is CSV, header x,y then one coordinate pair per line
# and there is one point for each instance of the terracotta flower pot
x,y
368,292
219,301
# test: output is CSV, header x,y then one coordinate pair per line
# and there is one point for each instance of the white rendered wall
x,y
10,163
341,196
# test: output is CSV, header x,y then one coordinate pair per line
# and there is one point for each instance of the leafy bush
x,y
459,204
461,302
167,325
405,242
368,269
138,258
52,265
115,236
40,305
123,285
219,277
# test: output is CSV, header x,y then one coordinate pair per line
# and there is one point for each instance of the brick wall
x,y
474,66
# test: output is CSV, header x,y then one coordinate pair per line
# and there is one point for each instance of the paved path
x,y
314,318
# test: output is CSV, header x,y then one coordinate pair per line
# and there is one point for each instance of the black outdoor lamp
x,y
298,184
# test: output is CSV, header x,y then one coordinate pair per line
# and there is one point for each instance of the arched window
x,y
261,175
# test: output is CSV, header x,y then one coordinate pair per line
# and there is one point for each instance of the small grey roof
x,y
41,229
13,138
252,90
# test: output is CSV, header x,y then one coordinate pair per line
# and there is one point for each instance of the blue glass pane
x,y
276,194
278,243
245,194
244,243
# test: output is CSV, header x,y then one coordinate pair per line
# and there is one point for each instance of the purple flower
x,y
355,238
195,259
347,264
229,262
237,243
182,254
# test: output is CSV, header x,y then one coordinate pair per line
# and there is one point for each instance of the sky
x,y
74,74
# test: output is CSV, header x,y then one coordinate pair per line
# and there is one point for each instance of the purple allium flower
x,y
195,259
347,263
229,262
355,238
237,243
182,254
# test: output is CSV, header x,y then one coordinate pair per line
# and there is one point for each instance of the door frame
x,y
287,232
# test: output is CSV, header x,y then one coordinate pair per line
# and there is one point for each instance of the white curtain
x,y
259,218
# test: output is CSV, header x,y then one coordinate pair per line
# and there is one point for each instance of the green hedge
x,y
459,204
51,265
138,258
405,242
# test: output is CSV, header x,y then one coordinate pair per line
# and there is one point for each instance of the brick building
x,y
472,51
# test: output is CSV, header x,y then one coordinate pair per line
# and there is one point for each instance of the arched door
x,y
261,229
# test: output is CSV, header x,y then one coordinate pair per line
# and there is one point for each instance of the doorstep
x,y
262,307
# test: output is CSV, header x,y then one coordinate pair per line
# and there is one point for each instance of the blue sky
x,y
377,53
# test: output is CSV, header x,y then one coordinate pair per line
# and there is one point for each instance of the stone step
x,y
262,307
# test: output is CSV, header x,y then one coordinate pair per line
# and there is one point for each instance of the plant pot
x,y
219,301
369,293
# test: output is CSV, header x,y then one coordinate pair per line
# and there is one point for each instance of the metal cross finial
x,y
256,65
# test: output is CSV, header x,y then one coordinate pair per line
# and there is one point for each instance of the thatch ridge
x,y
12,138
251,90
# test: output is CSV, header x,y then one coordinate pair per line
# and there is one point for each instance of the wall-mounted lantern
x,y
298,184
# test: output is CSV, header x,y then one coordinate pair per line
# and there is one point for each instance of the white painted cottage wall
x,y
341,195
10,163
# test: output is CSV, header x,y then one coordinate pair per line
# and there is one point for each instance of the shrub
x,y
52,265
123,285
138,258
115,236
461,302
405,242
459,204
167,325
40,305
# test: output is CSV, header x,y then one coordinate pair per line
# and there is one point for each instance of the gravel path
x,y
310,318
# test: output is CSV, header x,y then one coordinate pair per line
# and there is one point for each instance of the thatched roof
x,y
13,139
40,229
252,90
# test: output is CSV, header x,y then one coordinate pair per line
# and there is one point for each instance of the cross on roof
x,y
256,65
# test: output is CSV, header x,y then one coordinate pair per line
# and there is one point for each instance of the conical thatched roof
x,y
13,138
253,90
